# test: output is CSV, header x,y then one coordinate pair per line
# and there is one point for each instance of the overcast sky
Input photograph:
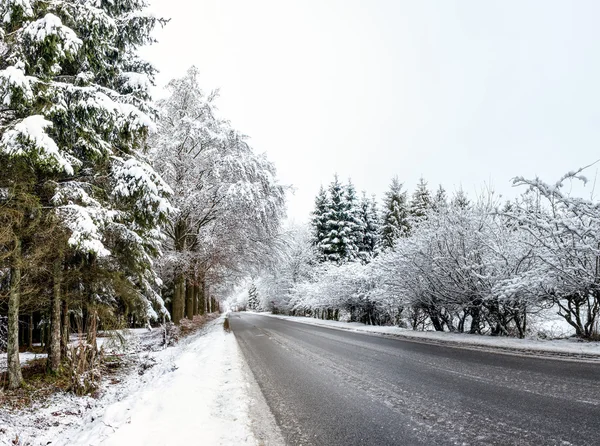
x,y
461,92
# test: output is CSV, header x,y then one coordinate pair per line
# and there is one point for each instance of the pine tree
x,y
395,215
354,221
338,244
440,200
369,243
460,199
73,111
319,218
253,302
421,201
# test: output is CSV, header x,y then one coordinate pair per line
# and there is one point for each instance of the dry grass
x,y
188,327
38,385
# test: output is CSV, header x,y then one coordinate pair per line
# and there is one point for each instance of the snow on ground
x,y
570,346
197,393
24,358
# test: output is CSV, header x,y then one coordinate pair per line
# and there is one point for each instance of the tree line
x,y
115,210
459,264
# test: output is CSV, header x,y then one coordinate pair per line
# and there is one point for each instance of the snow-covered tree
x,y
339,244
440,200
394,215
421,201
73,119
230,203
460,199
319,218
566,241
253,299
369,242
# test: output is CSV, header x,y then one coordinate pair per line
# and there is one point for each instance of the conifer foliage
x,y
93,193
395,215
73,123
253,302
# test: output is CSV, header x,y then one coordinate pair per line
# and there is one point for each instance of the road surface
x,y
332,387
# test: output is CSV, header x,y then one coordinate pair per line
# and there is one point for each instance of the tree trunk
x,y
196,291
178,300
65,328
15,378
30,332
206,298
202,298
53,363
189,300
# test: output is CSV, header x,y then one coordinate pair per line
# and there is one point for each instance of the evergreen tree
x,y
440,200
253,302
460,199
73,115
319,218
338,245
354,221
421,201
369,243
395,215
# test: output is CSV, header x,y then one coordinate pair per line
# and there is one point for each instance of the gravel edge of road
x,y
504,350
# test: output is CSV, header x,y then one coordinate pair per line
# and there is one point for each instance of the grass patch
x,y
188,327
37,385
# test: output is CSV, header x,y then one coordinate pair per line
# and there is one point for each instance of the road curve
x,y
331,387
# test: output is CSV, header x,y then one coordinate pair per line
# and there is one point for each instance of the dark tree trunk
x,y
178,299
53,363
196,291
189,301
15,378
30,331
65,328
202,298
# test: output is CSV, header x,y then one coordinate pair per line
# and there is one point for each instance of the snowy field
x,y
198,392
570,347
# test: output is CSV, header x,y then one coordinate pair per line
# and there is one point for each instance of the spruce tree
x,y
253,302
440,200
338,245
319,220
369,243
460,199
421,201
394,215
74,113
354,222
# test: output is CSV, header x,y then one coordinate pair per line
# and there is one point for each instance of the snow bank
x,y
24,358
197,393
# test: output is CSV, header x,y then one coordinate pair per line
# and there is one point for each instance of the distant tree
x,y
319,218
421,201
440,200
339,244
369,243
354,221
460,199
253,300
394,221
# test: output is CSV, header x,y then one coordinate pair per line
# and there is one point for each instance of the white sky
x,y
462,92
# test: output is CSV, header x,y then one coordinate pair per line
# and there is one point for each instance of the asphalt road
x,y
332,387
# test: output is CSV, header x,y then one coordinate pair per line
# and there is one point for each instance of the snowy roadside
x,y
570,348
198,392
